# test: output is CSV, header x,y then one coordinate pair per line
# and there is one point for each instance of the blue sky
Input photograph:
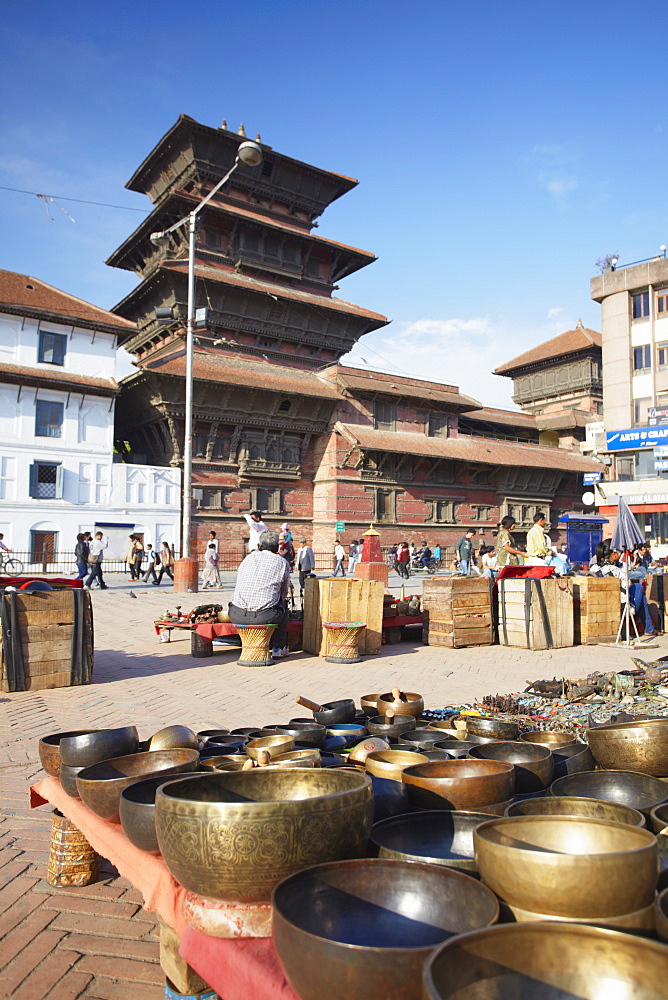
x,y
501,149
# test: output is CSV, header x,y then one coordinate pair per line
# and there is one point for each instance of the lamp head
x,y
159,239
250,154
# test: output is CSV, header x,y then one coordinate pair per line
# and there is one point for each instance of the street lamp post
x,y
250,154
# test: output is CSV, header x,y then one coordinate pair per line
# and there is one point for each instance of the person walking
x,y
506,552
153,561
166,562
354,555
131,558
339,555
538,547
465,551
81,551
211,576
95,556
305,561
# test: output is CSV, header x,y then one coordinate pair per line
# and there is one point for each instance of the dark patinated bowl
x,y
546,961
91,747
368,704
409,704
68,779
49,750
481,740
363,929
498,729
572,760
348,731
304,732
205,734
562,805
252,732
432,754
632,746
226,744
100,785
400,724
332,712
282,820
420,738
433,836
136,809
659,818
211,750
661,915
629,788
464,784
554,740
456,748
534,766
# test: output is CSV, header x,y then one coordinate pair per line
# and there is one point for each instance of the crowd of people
x,y
143,562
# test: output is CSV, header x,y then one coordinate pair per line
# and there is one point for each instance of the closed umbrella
x,y
625,537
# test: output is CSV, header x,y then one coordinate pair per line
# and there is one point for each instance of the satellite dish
x,y
588,499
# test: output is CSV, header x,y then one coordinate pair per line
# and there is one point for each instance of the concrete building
x,y
58,391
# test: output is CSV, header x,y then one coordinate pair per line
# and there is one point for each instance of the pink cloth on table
x,y
240,969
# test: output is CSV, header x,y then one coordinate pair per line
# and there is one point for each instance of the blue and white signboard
x,y
636,437
660,465
589,478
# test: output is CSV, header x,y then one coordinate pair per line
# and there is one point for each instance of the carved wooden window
x,y
385,415
438,425
386,505
443,511
481,512
284,407
213,498
267,501
221,448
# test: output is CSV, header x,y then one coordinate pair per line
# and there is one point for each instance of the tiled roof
x,y
23,294
579,339
565,419
467,448
514,418
397,385
56,378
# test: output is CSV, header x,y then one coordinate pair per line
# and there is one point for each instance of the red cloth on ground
x,y
526,572
241,969
54,581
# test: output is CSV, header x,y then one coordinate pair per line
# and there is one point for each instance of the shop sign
x,y
588,478
636,437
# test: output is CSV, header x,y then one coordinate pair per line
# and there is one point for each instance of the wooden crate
x,y
535,614
343,601
54,629
457,611
596,608
657,598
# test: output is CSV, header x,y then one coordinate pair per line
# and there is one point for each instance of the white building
x,y
58,392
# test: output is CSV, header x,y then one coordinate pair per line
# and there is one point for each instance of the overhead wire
x,y
80,201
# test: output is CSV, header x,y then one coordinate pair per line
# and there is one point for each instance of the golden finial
x,y
580,325
258,137
242,131
223,124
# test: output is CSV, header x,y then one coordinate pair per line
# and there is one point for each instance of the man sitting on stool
x,y
261,593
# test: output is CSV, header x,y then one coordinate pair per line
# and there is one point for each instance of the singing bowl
x,y
562,805
297,758
412,705
68,779
572,759
351,732
271,745
101,744
640,921
496,728
136,809
420,738
213,763
235,835
432,754
252,732
546,961
444,726
457,748
481,740
435,837
658,817
459,784
174,738
553,740
533,764
372,744
628,788
336,711
368,704
205,734
400,724
227,741
632,746
49,749
100,785
661,915
361,930
568,866
211,750
305,732
391,763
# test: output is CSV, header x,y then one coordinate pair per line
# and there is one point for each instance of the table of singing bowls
x,y
420,737
136,809
533,764
305,732
458,748
658,818
68,779
49,750
272,745
459,784
629,788
173,738
361,930
572,759
661,915
235,835
409,704
101,744
568,866
436,837
391,763
368,704
546,961
100,785
631,746
562,805
378,726
553,740
498,729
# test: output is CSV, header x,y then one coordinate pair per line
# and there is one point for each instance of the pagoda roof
x,y
570,342
360,379
27,296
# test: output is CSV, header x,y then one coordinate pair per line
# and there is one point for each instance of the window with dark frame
x,y
46,481
662,301
642,357
662,353
385,415
641,305
48,419
52,348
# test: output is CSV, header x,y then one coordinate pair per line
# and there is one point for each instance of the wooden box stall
x,y
657,598
343,601
46,639
457,611
535,614
596,608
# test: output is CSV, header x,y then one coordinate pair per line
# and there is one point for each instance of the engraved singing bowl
x,y
271,745
572,759
534,766
568,866
658,818
100,785
554,740
661,915
377,725
372,744
235,835
391,763
629,788
459,784
368,704
496,728
49,749
435,837
361,930
304,732
102,744
632,746
456,748
562,805
174,738
410,704
546,961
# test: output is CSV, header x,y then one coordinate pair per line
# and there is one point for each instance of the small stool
x,y
199,646
342,639
72,861
256,645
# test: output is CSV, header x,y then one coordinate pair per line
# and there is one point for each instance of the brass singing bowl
x,y
174,738
563,805
391,763
297,758
214,763
457,748
49,749
136,809
553,740
632,746
235,835
658,817
435,837
423,738
629,788
445,726
534,766
272,745
372,744
377,725
572,759
68,779
412,705
101,744
332,712
661,915
568,866
304,732
496,728
368,704
640,921
100,785
459,784
546,961
361,930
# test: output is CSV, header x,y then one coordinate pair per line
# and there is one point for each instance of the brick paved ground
x,y
97,942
